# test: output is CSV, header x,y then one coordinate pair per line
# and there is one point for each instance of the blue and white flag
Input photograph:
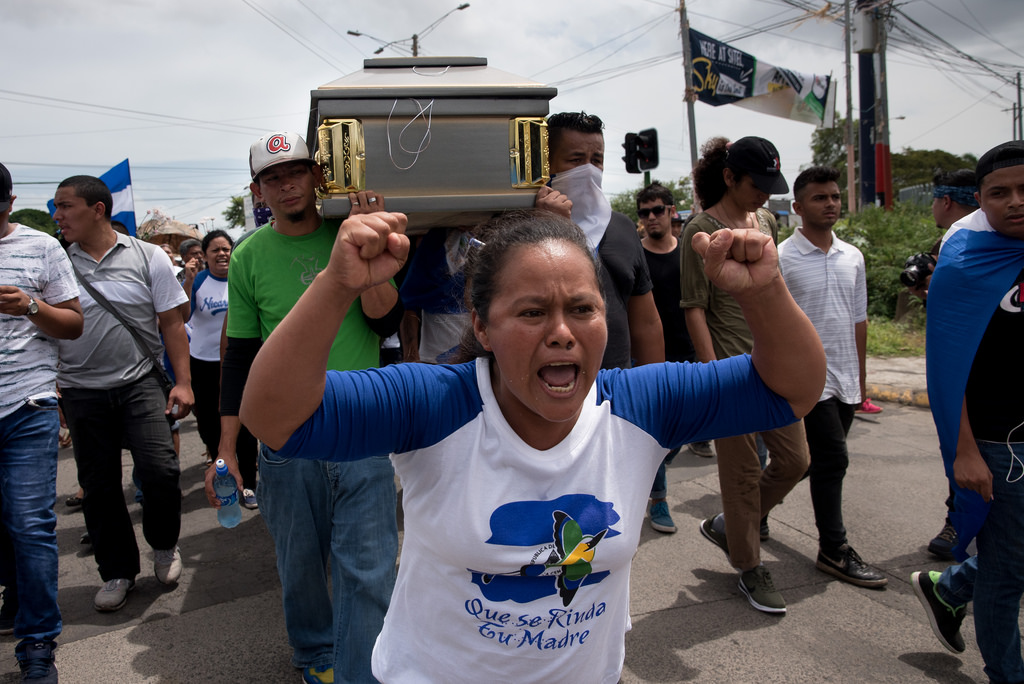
x,y
119,181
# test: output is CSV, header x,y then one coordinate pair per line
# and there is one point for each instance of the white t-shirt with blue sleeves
x,y
209,305
515,562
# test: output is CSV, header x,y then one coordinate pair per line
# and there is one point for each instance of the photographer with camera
x,y
953,199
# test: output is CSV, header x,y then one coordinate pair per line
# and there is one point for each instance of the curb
x,y
907,397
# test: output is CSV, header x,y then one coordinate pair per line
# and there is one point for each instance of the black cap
x,y
6,186
1000,157
759,158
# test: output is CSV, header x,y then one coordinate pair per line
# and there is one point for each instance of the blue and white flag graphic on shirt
x,y
119,181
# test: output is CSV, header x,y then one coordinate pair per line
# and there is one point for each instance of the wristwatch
x,y
33,307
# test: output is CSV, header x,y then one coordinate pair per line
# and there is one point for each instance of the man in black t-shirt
x,y
975,325
656,208
576,154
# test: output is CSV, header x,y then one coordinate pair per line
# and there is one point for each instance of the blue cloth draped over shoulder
x,y
976,267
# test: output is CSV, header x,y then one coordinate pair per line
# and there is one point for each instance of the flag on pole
x,y
724,75
119,181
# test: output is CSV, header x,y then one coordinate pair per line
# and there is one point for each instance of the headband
x,y
961,194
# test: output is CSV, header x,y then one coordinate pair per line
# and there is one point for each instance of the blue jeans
x,y
100,421
28,490
999,576
956,584
338,515
659,490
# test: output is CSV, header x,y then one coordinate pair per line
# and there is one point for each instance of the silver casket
x,y
447,140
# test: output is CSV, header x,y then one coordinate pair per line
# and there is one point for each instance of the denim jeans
x,y
28,490
659,490
342,516
999,579
827,425
99,420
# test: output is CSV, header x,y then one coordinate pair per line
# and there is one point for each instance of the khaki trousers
x,y
749,493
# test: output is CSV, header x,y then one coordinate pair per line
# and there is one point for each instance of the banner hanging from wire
x,y
724,75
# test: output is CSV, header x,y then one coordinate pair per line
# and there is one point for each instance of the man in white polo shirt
x,y
111,391
826,278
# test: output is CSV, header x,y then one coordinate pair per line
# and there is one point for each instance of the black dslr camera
x,y
916,269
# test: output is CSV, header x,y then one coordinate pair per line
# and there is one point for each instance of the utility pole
x,y
689,96
883,159
865,45
1020,113
851,163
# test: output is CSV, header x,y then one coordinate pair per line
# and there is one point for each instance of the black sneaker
x,y
702,449
707,528
944,618
8,611
944,542
36,662
766,534
849,567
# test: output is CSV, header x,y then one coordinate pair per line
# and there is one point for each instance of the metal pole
x,y
851,163
689,96
1020,112
883,166
415,45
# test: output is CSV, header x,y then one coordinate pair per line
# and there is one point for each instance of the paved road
x,y
224,623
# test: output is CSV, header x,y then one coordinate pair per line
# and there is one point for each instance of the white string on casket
x,y
424,111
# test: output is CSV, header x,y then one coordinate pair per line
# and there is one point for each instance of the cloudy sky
x,y
183,88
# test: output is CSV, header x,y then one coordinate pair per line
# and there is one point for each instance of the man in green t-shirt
x,y
321,515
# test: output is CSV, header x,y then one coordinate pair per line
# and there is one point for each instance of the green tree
x,y
828,148
682,190
886,239
235,213
917,167
35,218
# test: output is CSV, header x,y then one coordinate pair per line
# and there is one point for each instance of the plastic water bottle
x,y
230,513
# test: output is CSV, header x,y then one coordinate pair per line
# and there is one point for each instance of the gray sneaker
x,y
757,586
167,565
113,595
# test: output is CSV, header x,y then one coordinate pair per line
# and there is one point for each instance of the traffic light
x,y
630,145
647,149
641,151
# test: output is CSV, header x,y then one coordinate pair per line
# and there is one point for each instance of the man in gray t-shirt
x,y
112,392
38,305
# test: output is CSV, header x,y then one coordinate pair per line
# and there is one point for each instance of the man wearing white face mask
x,y
576,154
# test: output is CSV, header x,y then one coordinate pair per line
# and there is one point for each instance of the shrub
x,y
887,238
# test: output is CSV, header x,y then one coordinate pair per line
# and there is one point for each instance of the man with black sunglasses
x,y
656,208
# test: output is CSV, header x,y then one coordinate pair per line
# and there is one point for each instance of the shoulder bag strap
x,y
112,310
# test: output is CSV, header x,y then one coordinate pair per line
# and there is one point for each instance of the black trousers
x,y
100,421
206,388
827,425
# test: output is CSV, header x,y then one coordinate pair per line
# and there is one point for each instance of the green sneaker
x,y
944,618
757,586
322,674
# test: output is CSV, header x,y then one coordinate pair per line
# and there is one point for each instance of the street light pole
x,y
415,37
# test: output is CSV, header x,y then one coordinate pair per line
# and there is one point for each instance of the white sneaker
x,y
167,565
249,499
113,595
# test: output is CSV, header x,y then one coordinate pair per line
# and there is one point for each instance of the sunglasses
x,y
657,210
